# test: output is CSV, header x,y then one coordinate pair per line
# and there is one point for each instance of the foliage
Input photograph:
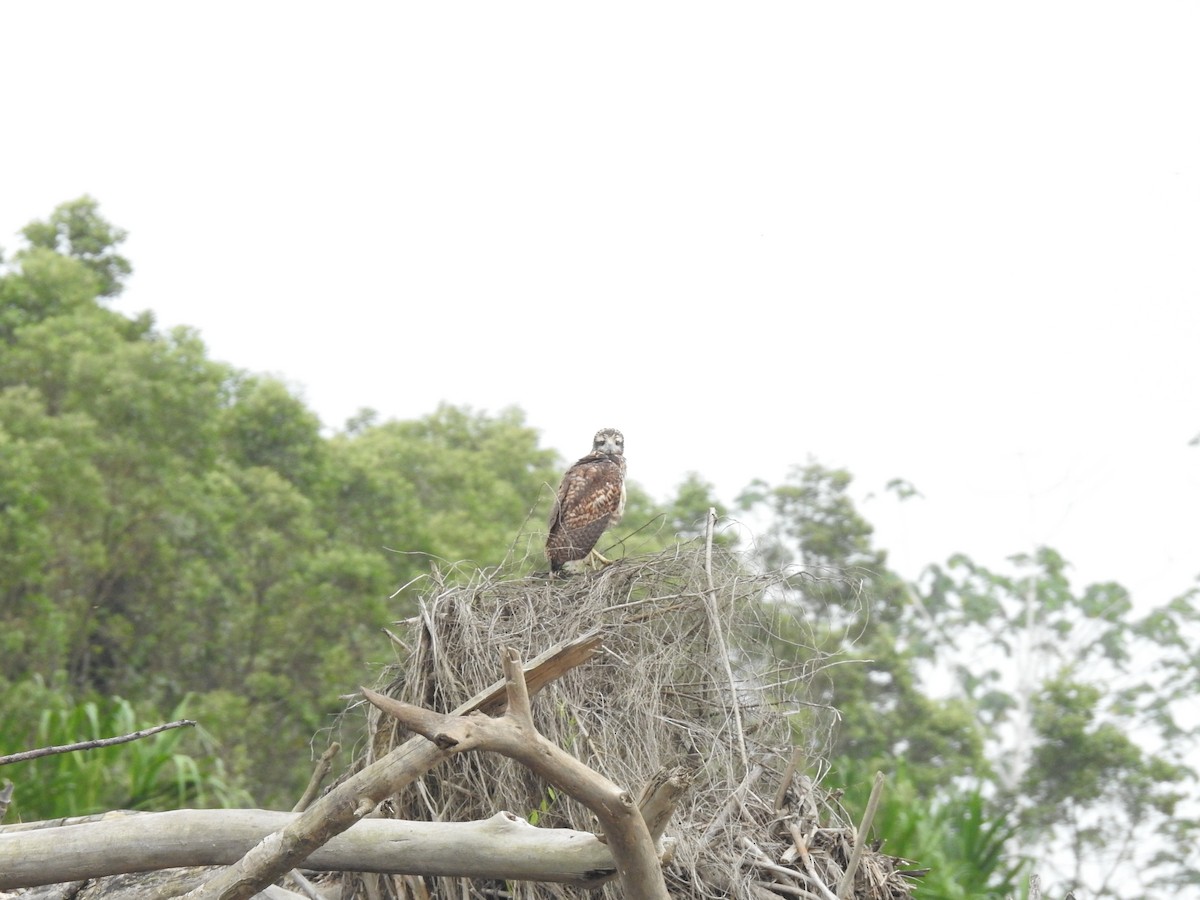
x,y
77,230
687,514
965,841
850,607
1091,743
450,487
172,769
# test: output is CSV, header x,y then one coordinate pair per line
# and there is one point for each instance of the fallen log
x,y
504,846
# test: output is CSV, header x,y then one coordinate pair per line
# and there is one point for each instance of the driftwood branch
x,y
660,797
318,776
26,755
513,735
502,847
358,795
310,794
139,885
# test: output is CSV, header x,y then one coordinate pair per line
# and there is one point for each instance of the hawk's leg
x,y
595,560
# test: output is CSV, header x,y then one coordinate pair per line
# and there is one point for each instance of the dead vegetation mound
x,y
702,671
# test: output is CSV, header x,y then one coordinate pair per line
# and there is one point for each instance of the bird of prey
x,y
590,499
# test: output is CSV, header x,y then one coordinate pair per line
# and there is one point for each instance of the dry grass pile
x,y
690,674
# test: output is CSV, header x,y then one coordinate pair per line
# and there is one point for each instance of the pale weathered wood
x,y
324,764
660,797
502,847
639,869
140,886
356,797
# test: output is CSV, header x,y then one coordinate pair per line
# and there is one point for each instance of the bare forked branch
x,y
356,797
513,735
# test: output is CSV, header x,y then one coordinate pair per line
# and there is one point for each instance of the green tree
x,y
156,545
687,512
77,230
1061,705
265,425
1081,699
852,609
454,486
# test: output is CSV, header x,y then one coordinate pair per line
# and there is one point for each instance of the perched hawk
x,y
590,499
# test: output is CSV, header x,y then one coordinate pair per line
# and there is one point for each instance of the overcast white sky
x,y
952,242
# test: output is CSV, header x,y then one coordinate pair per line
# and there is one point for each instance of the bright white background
x,y
951,242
